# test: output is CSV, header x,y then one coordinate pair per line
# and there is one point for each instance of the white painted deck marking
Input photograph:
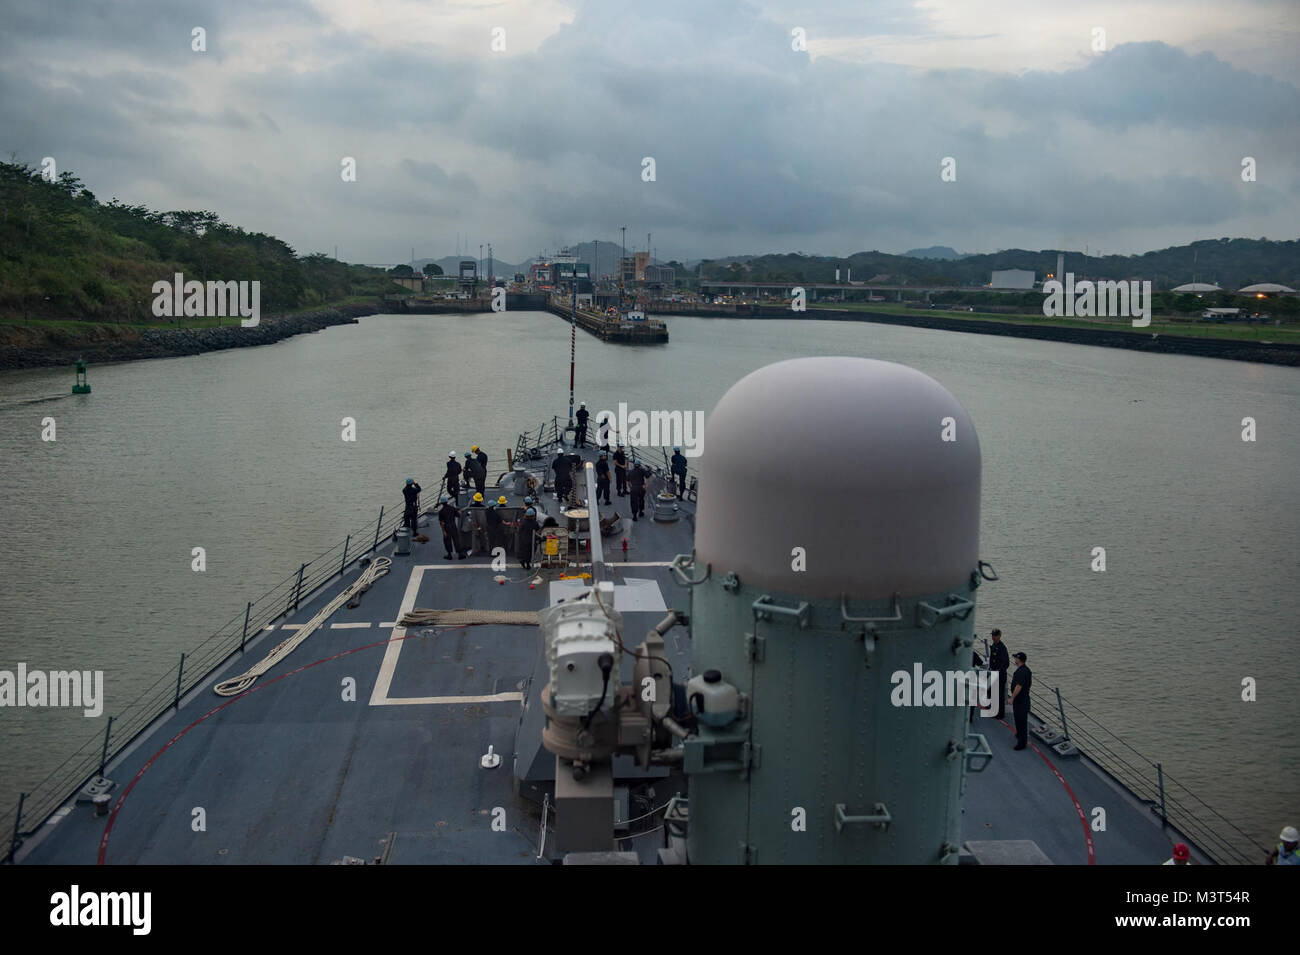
x,y
639,595
406,700
350,626
384,681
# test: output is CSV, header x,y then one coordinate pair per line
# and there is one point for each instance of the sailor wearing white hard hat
x,y
1287,852
452,477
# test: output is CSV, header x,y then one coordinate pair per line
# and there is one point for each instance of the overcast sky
x,y
758,146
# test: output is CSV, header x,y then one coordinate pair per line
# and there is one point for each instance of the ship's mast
x,y
573,338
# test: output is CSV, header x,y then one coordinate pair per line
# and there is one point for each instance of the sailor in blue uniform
x,y
474,471
679,468
410,516
448,517
1021,680
453,477
563,483
636,480
493,520
602,478
620,471
526,539
999,661
580,439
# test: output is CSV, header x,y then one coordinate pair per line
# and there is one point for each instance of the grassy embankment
x,y
1238,331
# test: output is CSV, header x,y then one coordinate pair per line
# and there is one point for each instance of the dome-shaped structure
x,y
870,467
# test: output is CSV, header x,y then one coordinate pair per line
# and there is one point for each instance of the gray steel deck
x,y
1037,795
292,772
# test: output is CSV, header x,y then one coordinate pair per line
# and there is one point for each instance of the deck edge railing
x,y
1168,799
40,801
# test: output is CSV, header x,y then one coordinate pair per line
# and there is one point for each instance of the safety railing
x,y
549,435
659,460
1170,800
195,666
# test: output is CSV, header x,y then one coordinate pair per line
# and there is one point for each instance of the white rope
x,y
236,685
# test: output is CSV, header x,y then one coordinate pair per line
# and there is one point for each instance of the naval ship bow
x,y
715,683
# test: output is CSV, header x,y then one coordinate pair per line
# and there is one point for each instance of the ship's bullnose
x,y
830,476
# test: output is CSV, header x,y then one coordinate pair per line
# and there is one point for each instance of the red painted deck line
x,y
1083,818
108,828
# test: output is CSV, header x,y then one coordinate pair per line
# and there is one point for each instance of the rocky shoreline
x,y
35,346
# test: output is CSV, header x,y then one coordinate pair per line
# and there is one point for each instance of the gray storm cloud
x,y
757,147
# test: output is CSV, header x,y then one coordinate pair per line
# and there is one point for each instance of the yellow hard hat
x,y
474,448
478,497
501,500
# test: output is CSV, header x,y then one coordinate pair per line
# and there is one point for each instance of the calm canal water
x,y
239,452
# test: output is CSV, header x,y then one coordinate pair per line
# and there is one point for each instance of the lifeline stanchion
x,y
13,843
1060,707
1160,779
236,685
180,672
103,756
297,593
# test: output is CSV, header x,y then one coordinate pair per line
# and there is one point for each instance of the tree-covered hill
x,y
64,254
1230,263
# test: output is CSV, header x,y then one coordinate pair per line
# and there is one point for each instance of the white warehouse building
x,y
1013,278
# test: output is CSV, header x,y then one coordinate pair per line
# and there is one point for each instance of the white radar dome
x,y
864,473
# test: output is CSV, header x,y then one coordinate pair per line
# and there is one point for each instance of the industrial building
x,y
1013,279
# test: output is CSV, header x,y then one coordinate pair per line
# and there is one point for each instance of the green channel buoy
x,y
82,387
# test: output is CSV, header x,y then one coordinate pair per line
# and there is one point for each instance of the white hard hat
x,y
1289,834
451,454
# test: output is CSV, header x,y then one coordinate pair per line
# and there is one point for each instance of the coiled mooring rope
x,y
236,685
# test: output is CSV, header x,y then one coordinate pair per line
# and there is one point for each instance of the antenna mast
x,y
573,337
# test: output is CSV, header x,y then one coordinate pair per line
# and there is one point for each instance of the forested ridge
x,y
66,255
